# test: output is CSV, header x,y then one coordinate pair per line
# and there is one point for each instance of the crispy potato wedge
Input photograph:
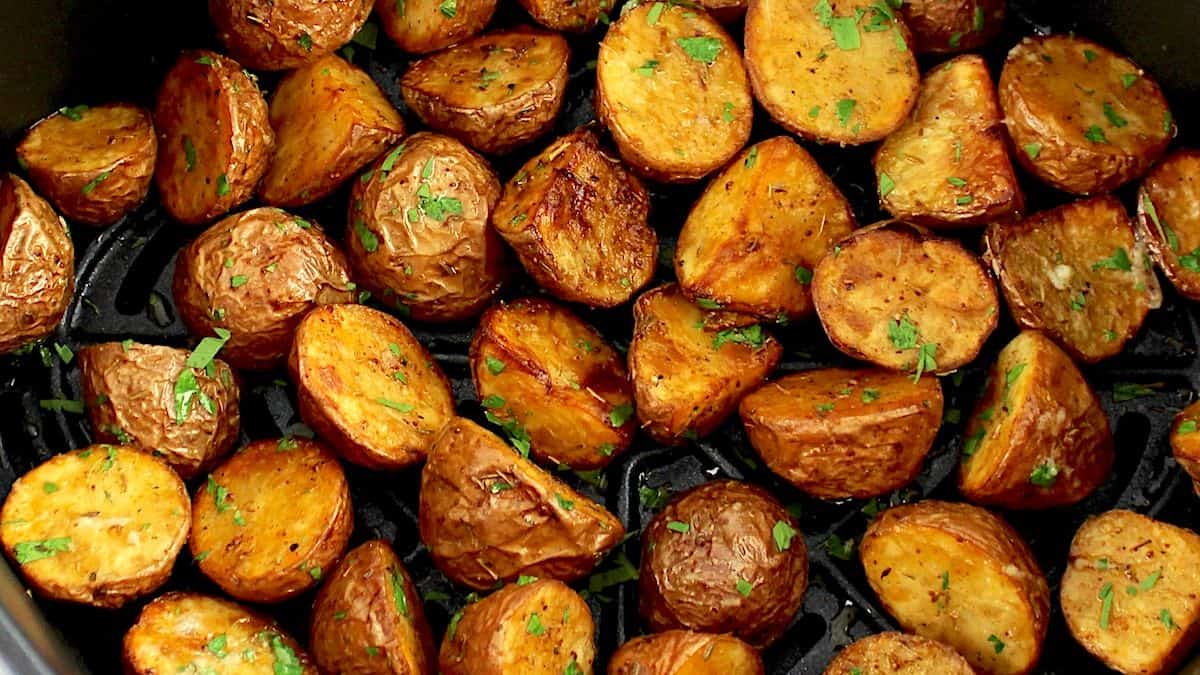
x,y
535,362
487,514
948,165
836,433
419,235
495,92
99,526
723,557
539,628
214,137
1129,592
1185,442
890,653
95,164
753,238
367,386
178,631
683,652
672,90
577,220
905,301
1083,119
853,91
941,26
423,26
1076,272
1168,220
271,519
285,34
960,575
1038,437
37,265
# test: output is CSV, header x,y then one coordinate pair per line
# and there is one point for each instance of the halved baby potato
x,y
423,26
285,34
572,16
940,26
672,90
99,526
890,653
1185,442
684,652
367,386
1168,219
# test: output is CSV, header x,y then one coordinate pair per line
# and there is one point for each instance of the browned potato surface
x,y
495,92
423,26
99,526
214,137
960,575
1168,219
890,653
575,16
953,25
95,164
487,514
577,220
683,652
1083,119
272,519
418,233
672,90
285,34
1185,442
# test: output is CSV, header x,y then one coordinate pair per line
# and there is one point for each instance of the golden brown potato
x,y
1083,119
418,233
940,26
367,386
1129,592
1076,272
188,630
99,526
495,92
577,220
37,265
672,90
95,164
892,652
285,34
257,273
905,301
536,363
834,72
1038,437
683,652
368,617
573,16
960,575
271,519
723,557
133,396
539,628
1185,442
214,137
753,238
837,433
1168,221
948,165
423,26
487,514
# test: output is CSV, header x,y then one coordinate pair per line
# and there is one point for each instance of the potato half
x,y
285,34
1185,442
572,16
890,653
940,26
423,26
683,652
1168,220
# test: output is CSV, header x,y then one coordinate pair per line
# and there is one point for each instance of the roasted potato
x,y
1168,221
214,137
890,653
948,165
1038,437
672,90
285,34
577,220
837,433
753,238
905,301
539,628
487,514
940,26
423,26
37,265
271,519
574,16
1129,592
1083,119
182,631
99,526
1076,272
723,557
95,164
367,386
256,274
495,92
418,233
960,575
536,363
825,77
1185,442
368,617
683,652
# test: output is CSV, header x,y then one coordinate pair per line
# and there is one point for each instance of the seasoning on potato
x,y
1185,442
286,34
892,652
423,26
940,26
684,652
1168,222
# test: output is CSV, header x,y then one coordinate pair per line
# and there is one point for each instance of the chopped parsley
x,y
1113,118
1106,601
91,185
305,41
448,8
839,548
744,588
223,187
870,395
751,160
655,13
399,597
783,533
750,336
62,405
1119,260
997,643
1128,80
653,498
31,551
564,503
1033,150
803,275
702,48
1187,427
534,626
1095,134
1127,391
677,526
494,365
886,184
648,68
395,405
845,109
75,112
620,415
1044,474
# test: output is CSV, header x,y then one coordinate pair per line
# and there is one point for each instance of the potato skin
x,y
435,270
97,168
420,26
285,34
1185,442
683,652
479,531
1166,221
570,16
37,265
941,26
892,652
